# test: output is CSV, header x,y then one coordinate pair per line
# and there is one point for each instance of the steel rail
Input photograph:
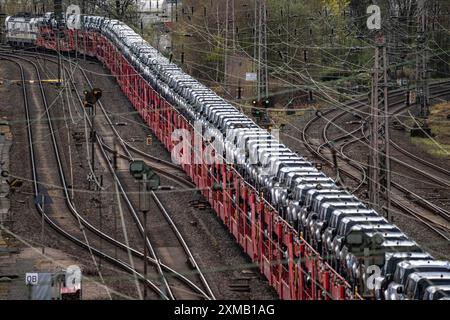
x,y
183,243
124,266
152,260
356,139
124,145
427,204
310,147
161,170
130,206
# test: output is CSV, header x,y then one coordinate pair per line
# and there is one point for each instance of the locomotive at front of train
x,y
291,219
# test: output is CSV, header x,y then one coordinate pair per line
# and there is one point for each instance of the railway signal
x,y
92,97
267,103
142,172
259,110
256,112
263,103
150,181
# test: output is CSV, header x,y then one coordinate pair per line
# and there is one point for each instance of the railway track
x,y
397,108
162,167
159,166
37,182
356,170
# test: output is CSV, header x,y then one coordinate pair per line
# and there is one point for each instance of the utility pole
x,y
227,19
100,199
422,60
255,46
145,209
379,161
233,10
261,58
43,224
386,174
2,23
57,6
218,37
374,135
93,136
288,43
176,10
229,4
115,167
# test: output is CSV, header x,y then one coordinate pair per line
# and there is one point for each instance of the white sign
x,y
73,17
251,76
374,21
31,279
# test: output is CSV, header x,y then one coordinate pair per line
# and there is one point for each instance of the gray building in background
x,y
158,11
159,14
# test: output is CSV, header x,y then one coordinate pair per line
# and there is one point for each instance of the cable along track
x,y
208,294
357,172
37,190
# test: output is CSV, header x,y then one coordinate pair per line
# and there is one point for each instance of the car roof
x,y
429,275
407,264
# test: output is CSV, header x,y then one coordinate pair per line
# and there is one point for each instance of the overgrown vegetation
x,y
439,122
318,45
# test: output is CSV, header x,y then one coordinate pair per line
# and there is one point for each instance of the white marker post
x,y
374,21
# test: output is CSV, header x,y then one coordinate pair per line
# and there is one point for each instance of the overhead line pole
x,y
2,23
225,78
387,138
379,162
255,50
261,49
234,25
374,164
262,56
423,74
57,4
265,61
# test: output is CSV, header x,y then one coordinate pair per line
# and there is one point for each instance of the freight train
x,y
310,238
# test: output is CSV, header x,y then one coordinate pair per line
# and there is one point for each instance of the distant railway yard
x,y
89,215
123,177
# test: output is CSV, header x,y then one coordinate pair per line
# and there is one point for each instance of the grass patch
x,y
440,125
441,151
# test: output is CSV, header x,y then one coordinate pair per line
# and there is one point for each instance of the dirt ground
x,y
215,250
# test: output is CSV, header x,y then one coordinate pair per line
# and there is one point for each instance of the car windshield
x,y
405,272
439,294
423,284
